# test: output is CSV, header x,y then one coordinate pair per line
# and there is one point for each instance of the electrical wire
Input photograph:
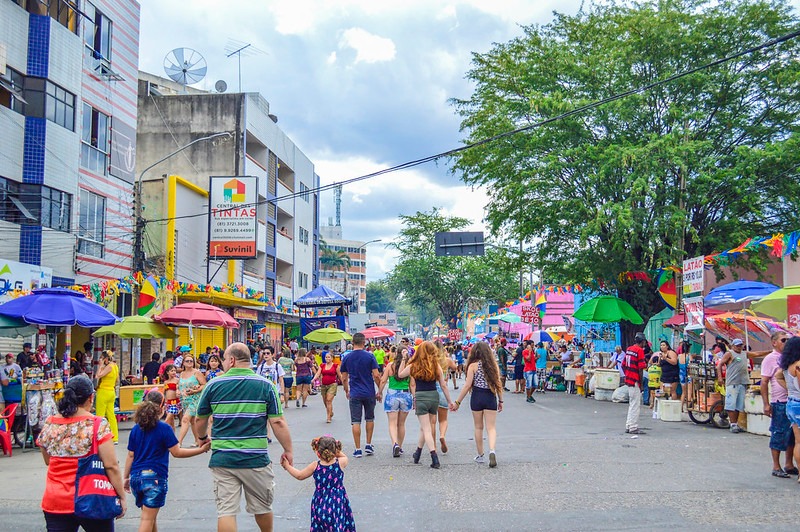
x,y
578,110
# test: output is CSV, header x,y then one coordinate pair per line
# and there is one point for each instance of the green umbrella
x,y
607,309
327,335
509,317
136,327
774,304
13,327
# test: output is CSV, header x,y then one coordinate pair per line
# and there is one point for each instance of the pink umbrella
x,y
377,332
197,315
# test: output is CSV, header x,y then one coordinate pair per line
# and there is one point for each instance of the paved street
x,y
564,463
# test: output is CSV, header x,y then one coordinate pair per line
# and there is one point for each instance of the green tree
x,y
687,168
380,297
451,284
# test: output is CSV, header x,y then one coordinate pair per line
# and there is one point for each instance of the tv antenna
x,y
239,49
185,66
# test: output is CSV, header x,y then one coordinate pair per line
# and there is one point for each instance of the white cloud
x,y
369,48
332,58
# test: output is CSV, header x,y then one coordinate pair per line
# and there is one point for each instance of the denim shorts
x,y
734,397
442,399
398,401
781,430
793,411
304,380
288,382
530,379
149,488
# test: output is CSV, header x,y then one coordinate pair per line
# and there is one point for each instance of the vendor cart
x,y
705,404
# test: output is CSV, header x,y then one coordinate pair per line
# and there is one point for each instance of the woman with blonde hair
x,y
483,380
106,394
448,365
424,368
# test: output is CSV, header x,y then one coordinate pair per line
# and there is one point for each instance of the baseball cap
x,y
737,341
26,344
640,337
184,348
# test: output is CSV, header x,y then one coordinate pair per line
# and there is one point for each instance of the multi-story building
x,y
348,279
67,143
170,117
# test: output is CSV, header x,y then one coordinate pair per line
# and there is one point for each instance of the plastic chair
x,y
6,423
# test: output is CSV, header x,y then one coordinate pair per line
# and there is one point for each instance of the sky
x,y
358,85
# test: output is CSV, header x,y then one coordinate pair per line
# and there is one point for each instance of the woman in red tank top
x,y
329,373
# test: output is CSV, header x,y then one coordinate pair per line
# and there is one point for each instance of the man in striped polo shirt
x,y
241,404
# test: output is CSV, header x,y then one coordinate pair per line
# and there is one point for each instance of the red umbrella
x,y
377,332
198,315
679,319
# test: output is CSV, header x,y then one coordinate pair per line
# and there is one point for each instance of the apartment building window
x,y
302,280
63,11
97,33
31,204
48,100
92,221
303,236
304,192
95,140
12,85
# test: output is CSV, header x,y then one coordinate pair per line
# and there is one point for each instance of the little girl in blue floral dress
x,y
330,507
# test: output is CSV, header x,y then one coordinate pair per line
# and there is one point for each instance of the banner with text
x,y
233,224
695,318
793,312
21,276
693,277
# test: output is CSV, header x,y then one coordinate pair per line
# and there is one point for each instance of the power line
x,y
578,110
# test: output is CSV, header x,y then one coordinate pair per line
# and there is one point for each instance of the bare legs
x,y
489,419
357,433
147,522
442,415
401,428
305,390
227,523
327,400
186,422
425,432
393,426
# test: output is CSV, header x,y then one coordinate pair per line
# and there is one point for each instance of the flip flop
x,y
780,473
791,471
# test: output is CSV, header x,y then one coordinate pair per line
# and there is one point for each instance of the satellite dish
x,y
185,66
220,86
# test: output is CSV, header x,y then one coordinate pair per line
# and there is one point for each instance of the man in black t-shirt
x,y
150,370
26,358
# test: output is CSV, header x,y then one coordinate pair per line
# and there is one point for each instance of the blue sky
x,y
358,85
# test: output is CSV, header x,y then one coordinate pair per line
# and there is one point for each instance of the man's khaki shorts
x,y
258,485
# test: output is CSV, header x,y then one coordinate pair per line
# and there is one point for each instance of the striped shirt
x,y
240,403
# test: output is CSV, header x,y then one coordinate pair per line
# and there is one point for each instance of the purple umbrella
x,y
58,307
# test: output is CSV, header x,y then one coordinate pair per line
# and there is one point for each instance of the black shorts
x,y
359,405
482,399
669,379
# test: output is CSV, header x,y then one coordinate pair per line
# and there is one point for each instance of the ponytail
x,y
78,390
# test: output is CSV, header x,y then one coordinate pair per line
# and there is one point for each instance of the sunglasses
x,y
783,340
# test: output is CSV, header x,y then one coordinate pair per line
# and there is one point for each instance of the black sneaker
x,y
395,450
435,460
417,455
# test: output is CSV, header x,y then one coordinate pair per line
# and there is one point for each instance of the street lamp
x,y
138,251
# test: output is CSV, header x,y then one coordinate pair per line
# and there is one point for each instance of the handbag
x,y
95,496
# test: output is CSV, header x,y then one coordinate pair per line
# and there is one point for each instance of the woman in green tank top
x,y
399,400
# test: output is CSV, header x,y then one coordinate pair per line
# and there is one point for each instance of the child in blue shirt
x,y
147,466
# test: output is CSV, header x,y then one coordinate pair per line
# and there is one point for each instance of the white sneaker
x,y
480,459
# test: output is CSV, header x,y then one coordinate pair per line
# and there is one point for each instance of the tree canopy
x,y
450,283
689,167
380,298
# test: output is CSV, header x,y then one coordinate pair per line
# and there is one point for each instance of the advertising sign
x,y
695,319
793,312
454,335
530,314
232,217
693,277
21,276
312,324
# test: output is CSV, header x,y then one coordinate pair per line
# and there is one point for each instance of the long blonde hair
x,y
423,365
441,355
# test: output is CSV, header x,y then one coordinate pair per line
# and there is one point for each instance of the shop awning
x,y
223,299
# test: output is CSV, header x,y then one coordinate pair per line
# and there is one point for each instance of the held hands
x,y
453,407
127,485
206,446
287,459
124,505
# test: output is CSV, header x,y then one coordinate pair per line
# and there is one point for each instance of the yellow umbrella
x,y
136,327
327,335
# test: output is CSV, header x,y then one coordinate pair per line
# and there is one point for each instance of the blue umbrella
x,y
739,292
58,307
491,335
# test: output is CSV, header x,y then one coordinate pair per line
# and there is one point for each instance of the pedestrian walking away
x,y
447,364
147,466
360,378
398,402
424,368
633,365
790,364
330,507
65,438
486,400
241,404
773,385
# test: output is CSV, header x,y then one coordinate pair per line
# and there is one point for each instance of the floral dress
x,y
330,507
189,402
